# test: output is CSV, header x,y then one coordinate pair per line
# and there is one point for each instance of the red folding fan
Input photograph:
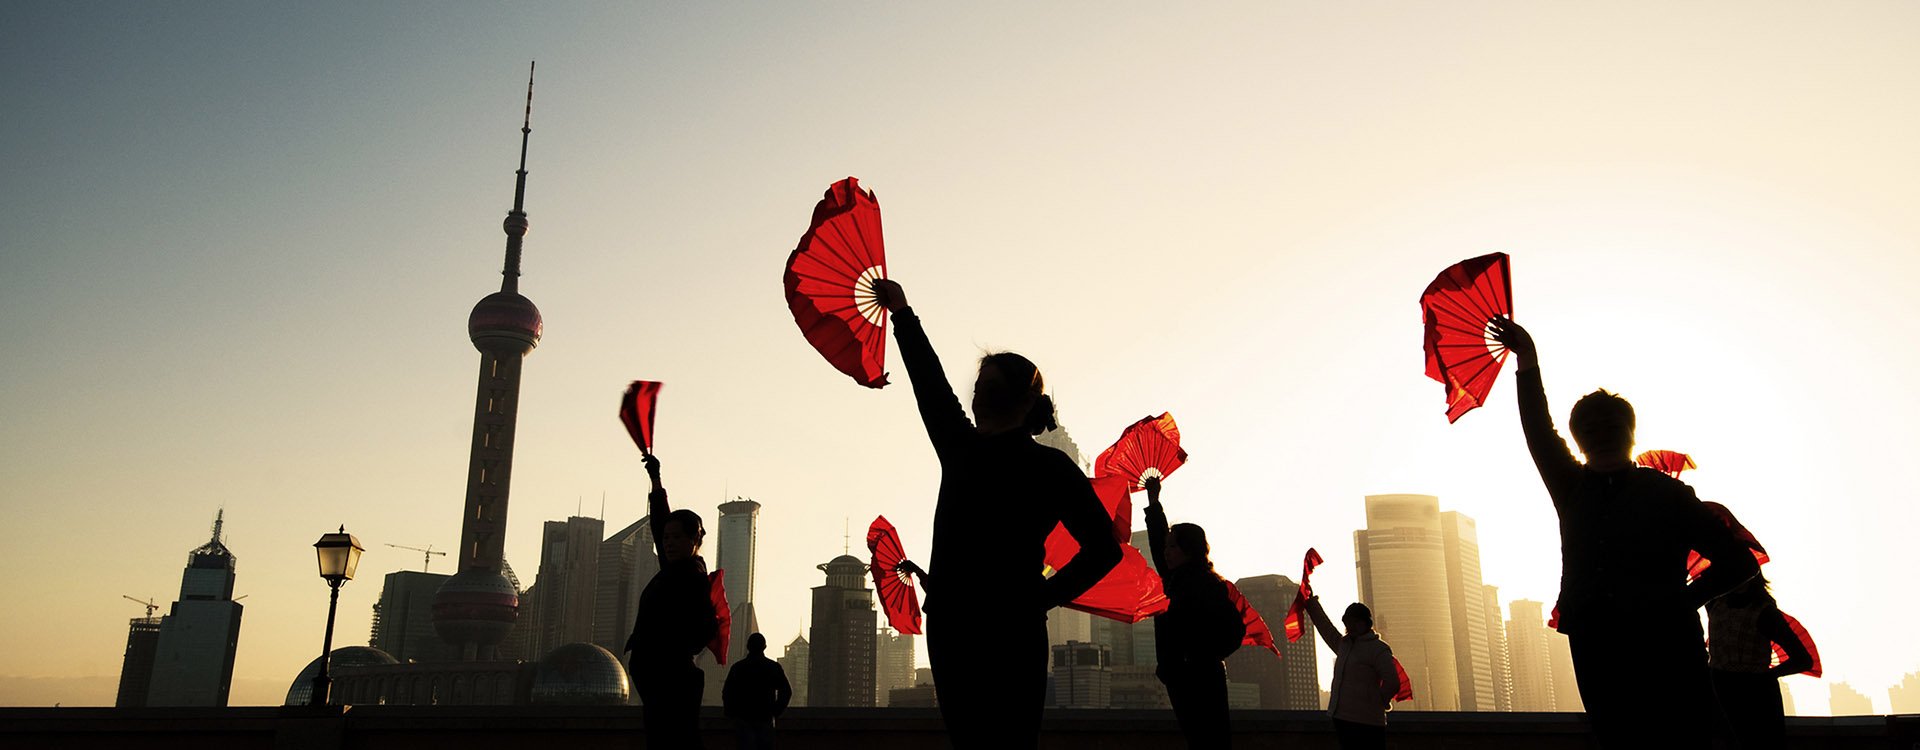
x,y
1258,634
636,411
717,592
1697,564
1295,625
1406,683
829,283
897,597
1669,462
1147,448
1131,592
1799,631
1457,307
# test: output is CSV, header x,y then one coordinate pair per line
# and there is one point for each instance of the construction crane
x,y
426,555
148,603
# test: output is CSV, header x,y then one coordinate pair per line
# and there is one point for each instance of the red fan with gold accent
x,y
636,412
897,597
717,592
1457,307
1670,463
829,283
1697,564
1149,448
1131,592
1258,634
1296,622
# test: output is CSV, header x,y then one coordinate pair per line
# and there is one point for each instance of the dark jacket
x,y
756,689
1000,496
675,617
1201,625
1624,537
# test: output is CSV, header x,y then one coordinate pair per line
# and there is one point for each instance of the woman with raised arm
x,y
1199,630
1364,678
1001,494
674,621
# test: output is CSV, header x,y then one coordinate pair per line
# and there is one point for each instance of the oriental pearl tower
x,y
476,608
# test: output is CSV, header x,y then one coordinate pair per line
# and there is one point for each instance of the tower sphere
x,y
505,318
476,606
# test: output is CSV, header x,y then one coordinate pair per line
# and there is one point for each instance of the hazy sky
x,y
242,243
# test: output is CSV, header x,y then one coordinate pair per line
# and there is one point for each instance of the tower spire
x,y
516,223
219,517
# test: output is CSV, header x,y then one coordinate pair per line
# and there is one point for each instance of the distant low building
x,y
1135,686
1082,676
1843,700
1243,695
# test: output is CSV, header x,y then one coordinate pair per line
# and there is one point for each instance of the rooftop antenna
x,y
219,517
603,505
511,274
846,535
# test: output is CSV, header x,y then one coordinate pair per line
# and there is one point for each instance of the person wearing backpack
x,y
1200,628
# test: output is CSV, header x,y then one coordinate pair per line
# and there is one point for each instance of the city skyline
x,y
248,238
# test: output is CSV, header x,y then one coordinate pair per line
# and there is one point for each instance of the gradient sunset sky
x,y
242,242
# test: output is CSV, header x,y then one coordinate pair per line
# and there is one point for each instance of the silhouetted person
x,y
756,692
1364,679
1199,630
674,621
1001,494
1629,614
1742,626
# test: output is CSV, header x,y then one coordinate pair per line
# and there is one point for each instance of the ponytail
x,y
1041,417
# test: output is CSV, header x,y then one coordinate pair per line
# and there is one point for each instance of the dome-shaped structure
x,y
477,607
505,320
301,691
580,674
846,571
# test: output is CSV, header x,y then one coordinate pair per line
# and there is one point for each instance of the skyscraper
x,y
841,664
895,663
1292,681
738,538
1466,602
193,655
1143,653
1497,656
1843,700
627,563
568,581
475,609
1402,570
1903,698
797,662
1081,676
1566,689
136,667
1530,657
403,623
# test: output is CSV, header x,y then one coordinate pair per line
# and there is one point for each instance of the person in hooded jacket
x,y
1364,678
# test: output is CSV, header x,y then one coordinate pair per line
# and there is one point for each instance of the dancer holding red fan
x,y
1200,629
1001,494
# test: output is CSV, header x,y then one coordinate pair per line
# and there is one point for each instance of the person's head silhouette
x,y
1357,618
756,644
1009,394
1602,425
681,535
1189,545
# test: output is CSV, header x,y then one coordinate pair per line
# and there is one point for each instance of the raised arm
x,y
1087,521
1557,466
657,509
940,410
1156,521
1323,625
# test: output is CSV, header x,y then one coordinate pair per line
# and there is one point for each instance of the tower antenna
x,y
517,218
846,535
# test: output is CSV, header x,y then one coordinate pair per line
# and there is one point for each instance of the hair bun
x,y
1041,417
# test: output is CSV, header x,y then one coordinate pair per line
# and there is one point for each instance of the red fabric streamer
x,y
1457,307
1670,463
1800,631
1296,623
1406,683
636,412
829,282
717,592
895,588
1131,592
1258,634
1147,448
1697,564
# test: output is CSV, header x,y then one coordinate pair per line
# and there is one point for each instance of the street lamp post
x,y
339,555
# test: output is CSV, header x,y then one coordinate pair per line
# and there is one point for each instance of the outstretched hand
x,y
889,294
1515,338
908,567
653,466
1153,489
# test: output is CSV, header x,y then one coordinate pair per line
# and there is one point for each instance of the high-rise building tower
x,y
1081,676
568,578
1903,698
738,539
1497,656
893,653
1530,657
1291,682
1566,688
1402,569
627,563
1843,700
841,668
1143,653
476,608
136,668
403,623
193,656
797,662
1466,602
